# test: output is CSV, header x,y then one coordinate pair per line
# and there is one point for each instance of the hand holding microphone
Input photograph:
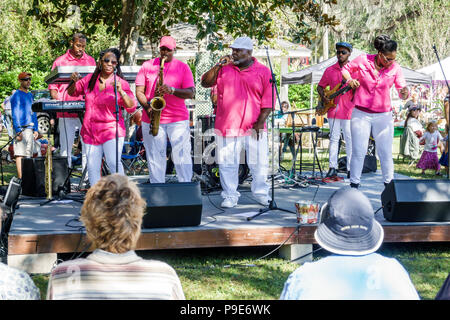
x,y
224,61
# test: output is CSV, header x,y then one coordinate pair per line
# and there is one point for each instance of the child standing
x,y
429,158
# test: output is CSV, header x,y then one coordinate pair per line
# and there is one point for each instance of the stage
x,y
54,228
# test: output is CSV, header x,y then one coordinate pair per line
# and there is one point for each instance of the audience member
x,y
112,213
413,131
24,121
349,230
429,158
16,284
444,292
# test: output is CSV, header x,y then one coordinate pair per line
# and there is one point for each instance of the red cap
x,y
24,75
168,42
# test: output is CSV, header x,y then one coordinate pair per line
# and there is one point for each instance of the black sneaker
x,y
348,174
331,173
354,185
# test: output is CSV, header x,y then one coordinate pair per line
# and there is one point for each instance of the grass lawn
x,y
236,273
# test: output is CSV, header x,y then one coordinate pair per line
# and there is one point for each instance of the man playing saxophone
x,y
176,86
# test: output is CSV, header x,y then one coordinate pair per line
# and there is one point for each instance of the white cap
x,y
242,43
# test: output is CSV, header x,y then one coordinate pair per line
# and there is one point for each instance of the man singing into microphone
x,y
178,85
69,122
244,101
24,121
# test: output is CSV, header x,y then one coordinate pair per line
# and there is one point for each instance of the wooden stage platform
x,y
55,228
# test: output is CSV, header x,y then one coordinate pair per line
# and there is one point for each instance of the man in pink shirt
x,y
244,100
339,116
174,124
69,122
373,75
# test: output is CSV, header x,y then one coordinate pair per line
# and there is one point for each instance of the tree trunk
x,y
132,13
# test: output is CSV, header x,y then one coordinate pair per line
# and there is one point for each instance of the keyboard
x,y
47,105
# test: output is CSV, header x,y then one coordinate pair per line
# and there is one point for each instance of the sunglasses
x,y
338,52
25,79
113,62
388,59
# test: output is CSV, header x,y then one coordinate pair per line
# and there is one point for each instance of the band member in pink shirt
x,y
99,124
339,116
178,85
244,101
69,122
373,75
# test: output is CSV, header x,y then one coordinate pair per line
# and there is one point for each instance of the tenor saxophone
x,y
157,103
48,171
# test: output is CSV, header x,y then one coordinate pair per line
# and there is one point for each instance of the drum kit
x,y
206,169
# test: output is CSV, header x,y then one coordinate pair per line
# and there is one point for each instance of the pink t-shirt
x,y
176,74
331,77
68,60
373,94
241,94
99,123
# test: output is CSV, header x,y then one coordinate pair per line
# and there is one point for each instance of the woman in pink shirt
x,y
372,75
99,123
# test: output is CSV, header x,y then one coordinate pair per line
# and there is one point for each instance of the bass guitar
x,y
322,108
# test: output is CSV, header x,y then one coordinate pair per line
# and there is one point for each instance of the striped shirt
x,y
105,275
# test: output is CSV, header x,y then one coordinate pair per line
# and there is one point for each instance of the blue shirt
x,y
369,277
22,114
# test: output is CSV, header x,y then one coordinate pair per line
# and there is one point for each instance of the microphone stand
x,y
272,204
117,120
448,96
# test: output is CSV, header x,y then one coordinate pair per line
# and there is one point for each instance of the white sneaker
x,y
229,202
262,200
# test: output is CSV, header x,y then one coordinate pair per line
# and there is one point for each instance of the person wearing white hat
x,y
349,230
244,101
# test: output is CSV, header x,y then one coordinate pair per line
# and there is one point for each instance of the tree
x,y
213,18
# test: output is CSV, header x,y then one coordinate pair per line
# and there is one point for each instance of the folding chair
x,y
133,158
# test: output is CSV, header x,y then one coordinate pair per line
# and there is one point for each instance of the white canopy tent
x,y
435,71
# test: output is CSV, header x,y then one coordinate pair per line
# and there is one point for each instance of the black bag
x,y
370,164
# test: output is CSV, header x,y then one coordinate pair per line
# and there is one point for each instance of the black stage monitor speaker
x,y
13,192
172,204
33,176
416,200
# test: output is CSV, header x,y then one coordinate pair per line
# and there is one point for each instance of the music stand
x,y
272,204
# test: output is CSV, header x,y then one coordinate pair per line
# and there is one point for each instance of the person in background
x,y
112,214
68,123
373,75
24,121
443,160
348,229
16,284
429,158
7,115
413,131
339,116
99,124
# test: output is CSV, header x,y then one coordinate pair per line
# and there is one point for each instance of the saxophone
x,y
157,103
48,171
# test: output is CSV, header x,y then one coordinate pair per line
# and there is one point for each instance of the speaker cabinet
x,y
33,176
172,204
416,200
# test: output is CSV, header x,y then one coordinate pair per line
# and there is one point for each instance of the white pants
x,y
382,127
67,128
95,154
228,158
336,125
155,147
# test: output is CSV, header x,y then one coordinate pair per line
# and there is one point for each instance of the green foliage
x,y
300,94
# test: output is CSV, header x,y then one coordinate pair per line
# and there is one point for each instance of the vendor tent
x,y
435,71
314,73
